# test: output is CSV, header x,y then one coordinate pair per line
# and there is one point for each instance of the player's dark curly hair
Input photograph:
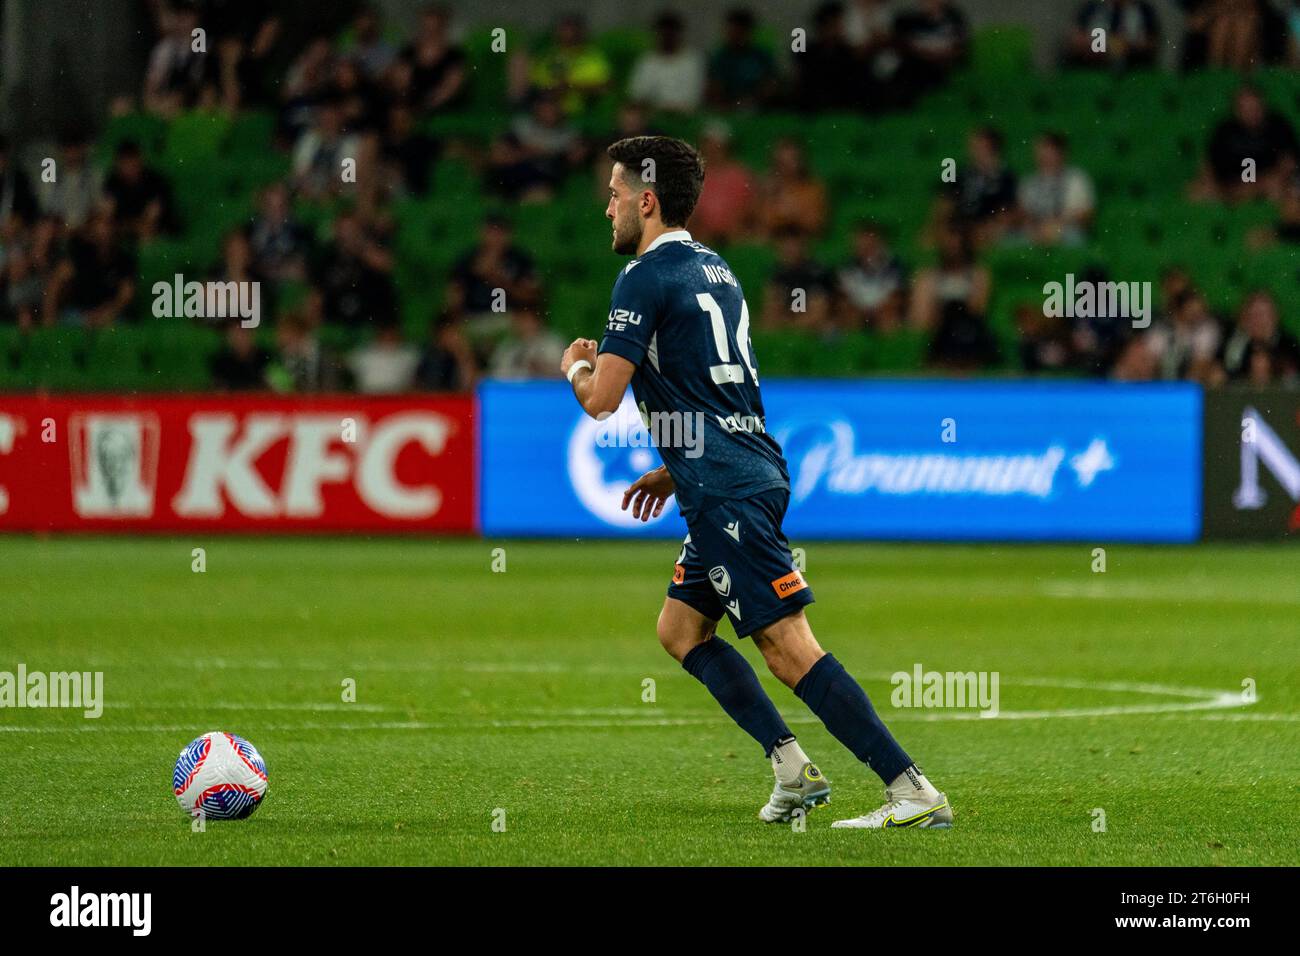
x,y
678,172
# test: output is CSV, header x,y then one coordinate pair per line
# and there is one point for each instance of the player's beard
x,y
627,235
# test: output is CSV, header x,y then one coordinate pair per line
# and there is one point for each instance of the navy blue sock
x,y
721,668
843,707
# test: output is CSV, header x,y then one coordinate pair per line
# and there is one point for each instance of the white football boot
x,y
905,807
810,789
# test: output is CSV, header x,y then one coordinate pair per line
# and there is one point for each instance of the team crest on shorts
x,y
679,574
721,580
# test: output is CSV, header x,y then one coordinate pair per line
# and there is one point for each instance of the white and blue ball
x,y
220,776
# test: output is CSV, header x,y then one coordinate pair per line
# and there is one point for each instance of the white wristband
x,y
577,367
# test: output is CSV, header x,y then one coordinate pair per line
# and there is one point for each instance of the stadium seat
x,y
1002,52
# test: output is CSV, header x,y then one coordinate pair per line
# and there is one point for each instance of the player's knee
x,y
679,638
788,648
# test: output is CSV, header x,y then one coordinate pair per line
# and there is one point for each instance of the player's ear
x,y
649,202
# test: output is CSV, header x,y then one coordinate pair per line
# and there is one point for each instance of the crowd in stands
x,y
69,248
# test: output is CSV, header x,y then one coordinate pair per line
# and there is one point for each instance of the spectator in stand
x,y
386,365
362,101
496,263
792,198
934,40
1057,201
279,241
237,265
305,85
95,282
530,162
570,66
1236,34
78,188
241,364
1292,21
21,290
1288,220
355,277
869,29
827,73
671,76
1182,346
982,200
447,364
139,198
179,77
438,70
725,208
873,284
304,364
319,153
531,350
367,46
408,153
45,243
1251,154
742,75
16,196
950,301
1129,37
1045,341
1099,340
799,292
1259,350
243,35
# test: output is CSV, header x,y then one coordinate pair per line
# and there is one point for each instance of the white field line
x,y
1201,700
1197,592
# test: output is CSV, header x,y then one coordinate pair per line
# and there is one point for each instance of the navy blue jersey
x,y
679,315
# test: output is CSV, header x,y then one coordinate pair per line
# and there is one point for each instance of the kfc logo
x,y
114,464
226,448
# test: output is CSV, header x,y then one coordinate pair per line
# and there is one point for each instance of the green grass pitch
x,y
523,691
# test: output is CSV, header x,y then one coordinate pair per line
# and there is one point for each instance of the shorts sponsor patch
x,y
679,574
792,582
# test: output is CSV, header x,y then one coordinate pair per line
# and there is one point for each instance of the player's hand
x,y
579,349
649,494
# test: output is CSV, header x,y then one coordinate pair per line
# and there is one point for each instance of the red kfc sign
x,y
264,463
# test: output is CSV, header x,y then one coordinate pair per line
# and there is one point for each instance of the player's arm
x,y
599,381
600,374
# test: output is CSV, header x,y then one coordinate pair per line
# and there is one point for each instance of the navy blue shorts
x,y
736,561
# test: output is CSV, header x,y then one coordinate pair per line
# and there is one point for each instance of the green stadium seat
x,y
195,139
55,359
149,132
1004,52
623,47
899,351
11,357
250,135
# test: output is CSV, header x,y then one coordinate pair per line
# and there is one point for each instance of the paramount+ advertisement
x,y
255,463
877,460
1252,464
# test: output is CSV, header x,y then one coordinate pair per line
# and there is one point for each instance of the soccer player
x,y
678,332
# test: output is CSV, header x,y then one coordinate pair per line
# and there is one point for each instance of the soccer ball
x,y
220,776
